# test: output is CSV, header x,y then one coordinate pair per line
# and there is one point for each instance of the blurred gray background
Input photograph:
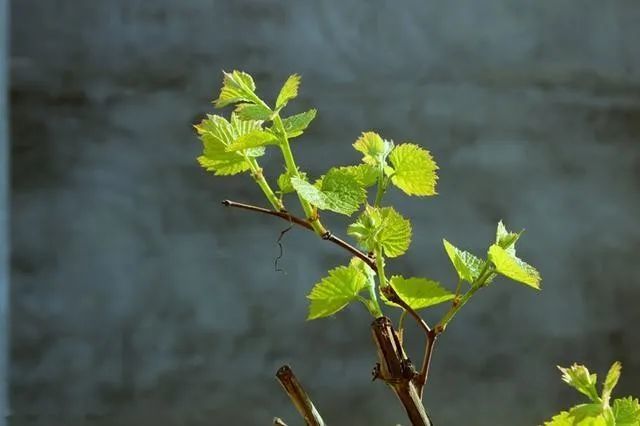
x,y
137,299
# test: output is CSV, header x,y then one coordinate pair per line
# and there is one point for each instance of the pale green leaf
x,y
253,139
562,419
249,111
626,411
366,174
505,239
295,125
382,227
338,192
581,415
514,268
284,181
588,414
374,149
578,377
414,170
611,380
237,86
289,90
419,293
216,134
466,264
336,291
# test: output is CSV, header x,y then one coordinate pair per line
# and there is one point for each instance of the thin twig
x,y
421,379
282,215
305,224
298,396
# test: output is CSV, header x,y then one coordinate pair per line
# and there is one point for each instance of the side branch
x,y
328,236
298,396
421,378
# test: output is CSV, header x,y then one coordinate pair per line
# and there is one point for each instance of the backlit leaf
x,y
419,293
514,268
414,170
338,191
466,264
384,227
289,90
237,86
336,291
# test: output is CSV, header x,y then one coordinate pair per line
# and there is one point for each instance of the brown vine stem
x,y
431,336
328,236
298,396
395,369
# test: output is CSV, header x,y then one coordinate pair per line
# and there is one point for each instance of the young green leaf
x,y
611,380
289,90
253,112
514,268
253,139
382,227
284,181
578,377
591,415
336,291
216,135
561,419
466,264
419,293
506,240
338,191
626,411
366,174
374,149
414,170
295,125
237,86
583,415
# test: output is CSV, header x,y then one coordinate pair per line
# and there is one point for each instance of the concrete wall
x,y
4,209
137,299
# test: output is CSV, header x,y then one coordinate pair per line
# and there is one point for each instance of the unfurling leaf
x,y
611,380
289,90
295,125
217,134
374,149
414,170
338,191
382,227
514,268
578,377
466,264
506,240
336,291
626,411
237,86
419,293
